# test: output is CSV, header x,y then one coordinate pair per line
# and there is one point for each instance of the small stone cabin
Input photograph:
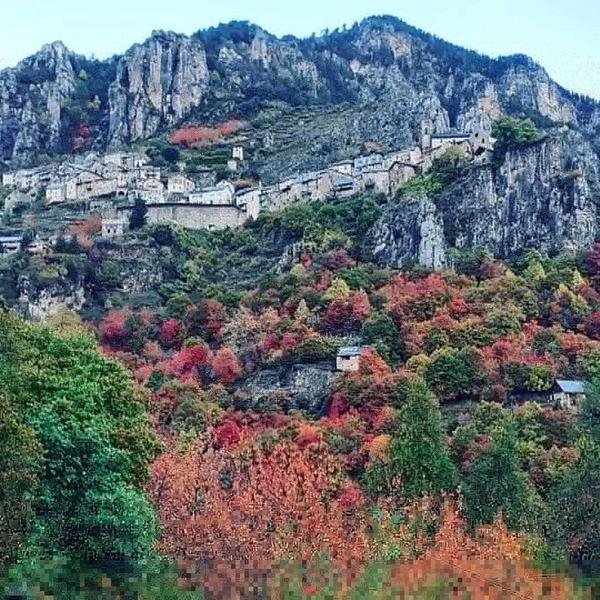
x,y
348,358
568,393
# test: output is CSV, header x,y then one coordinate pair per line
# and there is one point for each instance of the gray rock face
x,y
41,302
412,233
157,83
31,96
139,265
544,196
306,386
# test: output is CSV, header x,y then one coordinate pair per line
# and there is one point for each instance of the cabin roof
x,y
446,136
350,351
571,386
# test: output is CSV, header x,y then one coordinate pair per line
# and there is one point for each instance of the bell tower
x,y
426,133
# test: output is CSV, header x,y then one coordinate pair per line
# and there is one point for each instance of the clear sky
x,y
563,35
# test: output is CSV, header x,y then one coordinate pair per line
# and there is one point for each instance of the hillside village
x,y
111,184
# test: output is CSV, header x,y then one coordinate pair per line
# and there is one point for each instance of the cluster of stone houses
x,y
211,208
380,173
174,198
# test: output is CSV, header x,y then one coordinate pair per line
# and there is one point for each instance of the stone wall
x,y
192,216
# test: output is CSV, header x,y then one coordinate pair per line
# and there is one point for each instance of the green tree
x,y
95,438
138,215
381,331
20,465
511,132
419,462
454,372
574,516
497,483
338,290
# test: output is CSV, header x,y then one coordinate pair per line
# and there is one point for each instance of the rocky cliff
x,y
386,74
544,195
157,83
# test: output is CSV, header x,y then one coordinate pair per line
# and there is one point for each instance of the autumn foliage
x,y
200,135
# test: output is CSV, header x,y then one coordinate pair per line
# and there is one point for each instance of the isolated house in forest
x,y
568,393
348,358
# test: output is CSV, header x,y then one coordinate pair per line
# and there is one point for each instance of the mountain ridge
x,y
59,101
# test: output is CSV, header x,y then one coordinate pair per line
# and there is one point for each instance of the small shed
x,y
348,358
568,393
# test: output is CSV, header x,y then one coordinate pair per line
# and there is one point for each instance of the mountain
x,y
373,82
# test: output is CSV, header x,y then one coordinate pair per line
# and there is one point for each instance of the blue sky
x,y
563,35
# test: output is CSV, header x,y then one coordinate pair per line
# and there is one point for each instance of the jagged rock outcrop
x,y
31,96
157,83
41,301
384,76
545,196
139,264
301,386
412,232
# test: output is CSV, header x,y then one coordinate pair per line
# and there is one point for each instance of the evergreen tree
x,y
497,483
20,465
138,215
574,516
419,463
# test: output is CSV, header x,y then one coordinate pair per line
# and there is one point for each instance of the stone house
x,y
14,199
238,153
348,359
38,248
126,160
113,227
448,139
8,179
568,393
150,191
565,394
144,173
376,180
180,184
248,200
27,179
222,194
344,167
88,185
482,146
371,161
10,244
308,184
55,193
400,173
343,187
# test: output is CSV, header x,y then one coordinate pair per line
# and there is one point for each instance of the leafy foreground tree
x,y
419,463
138,215
80,440
69,579
497,484
20,464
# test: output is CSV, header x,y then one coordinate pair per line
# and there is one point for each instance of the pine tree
x,y
138,215
419,463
